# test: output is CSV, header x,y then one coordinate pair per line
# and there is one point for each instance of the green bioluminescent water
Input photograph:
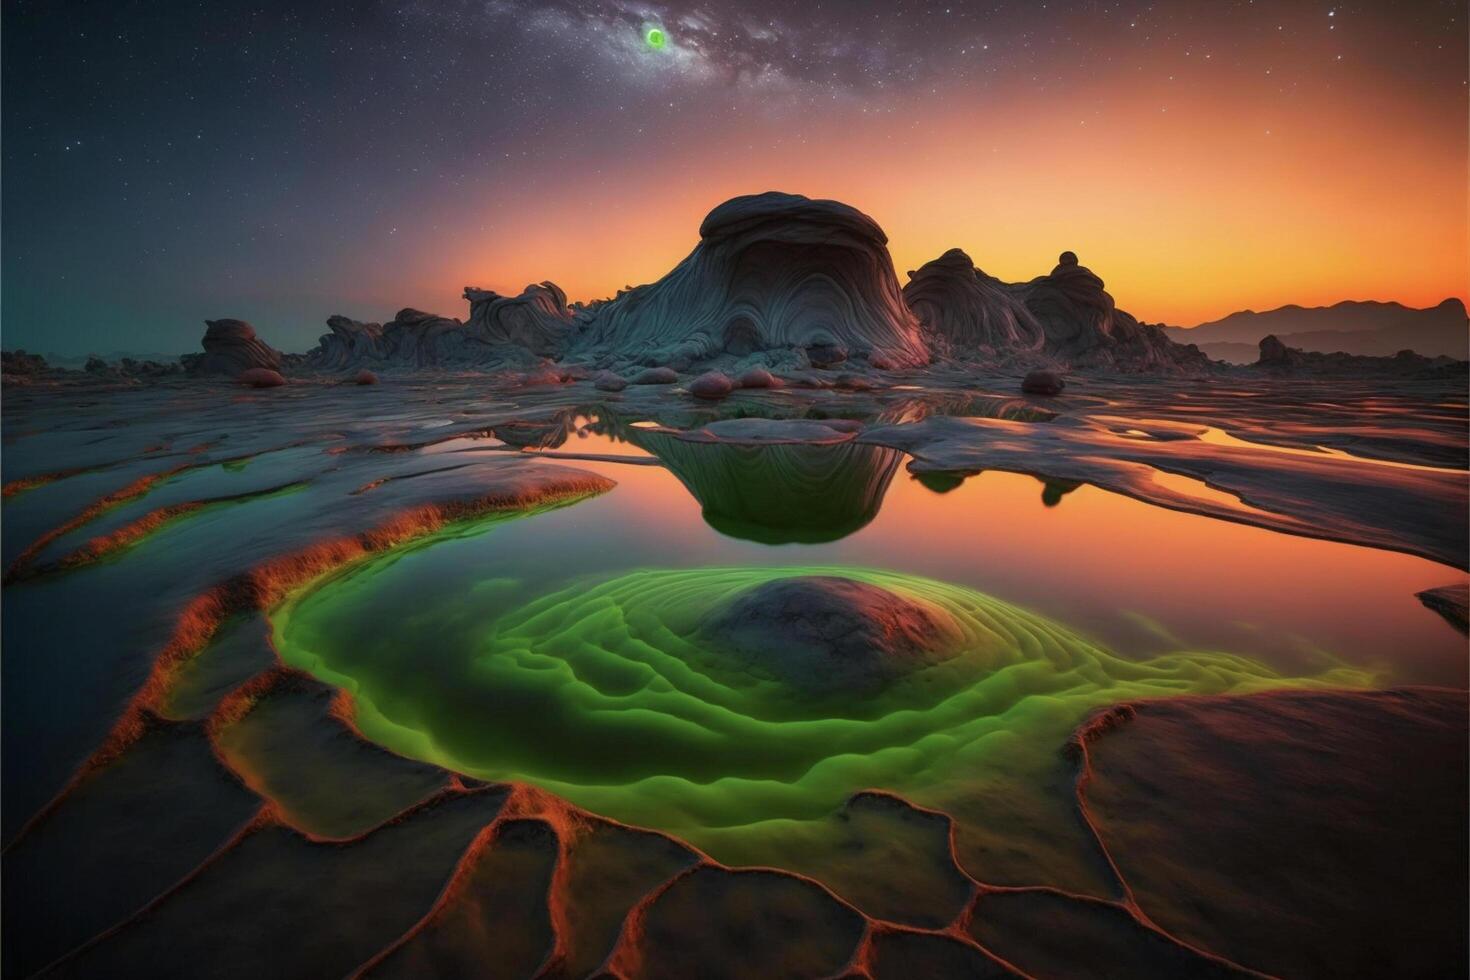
x,y
655,38
607,693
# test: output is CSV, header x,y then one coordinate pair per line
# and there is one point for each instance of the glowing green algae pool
x,y
602,691
566,648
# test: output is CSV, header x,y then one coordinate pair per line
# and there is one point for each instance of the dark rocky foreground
x,y
179,802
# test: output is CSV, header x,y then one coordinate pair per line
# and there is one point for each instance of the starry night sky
x,y
166,162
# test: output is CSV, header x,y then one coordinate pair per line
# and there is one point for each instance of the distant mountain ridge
x,y
1355,327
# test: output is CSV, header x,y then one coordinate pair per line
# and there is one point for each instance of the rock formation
x,y
18,363
823,633
771,272
351,342
1043,383
1084,328
260,378
1277,358
712,385
1371,328
1064,318
963,307
502,331
421,338
537,319
231,346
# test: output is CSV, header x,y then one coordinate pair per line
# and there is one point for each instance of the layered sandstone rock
x,y
771,272
1063,319
230,347
538,319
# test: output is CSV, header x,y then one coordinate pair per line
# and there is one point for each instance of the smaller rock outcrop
x,y
260,378
538,319
826,634
1278,359
962,307
18,364
712,385
230,347
414,336
656,376
1043,383
365,377
350,342
1064,318
758,377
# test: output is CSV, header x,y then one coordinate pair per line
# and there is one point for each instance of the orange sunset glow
x,y
1191,205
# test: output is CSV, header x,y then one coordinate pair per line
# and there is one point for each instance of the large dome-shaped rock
x,y
771,272
231,346
538,319
961,307
1063,319
827,634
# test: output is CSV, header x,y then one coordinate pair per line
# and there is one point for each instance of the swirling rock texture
x,y
963,308
502,331
1063,319
419,338
771,273
231,346
537,319
350,343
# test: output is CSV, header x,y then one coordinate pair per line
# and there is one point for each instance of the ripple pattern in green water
x,y
603,692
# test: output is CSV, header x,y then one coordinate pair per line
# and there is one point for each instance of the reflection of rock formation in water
x,y
1065,317
1450,601
549,433
1052,491
771,271
782,493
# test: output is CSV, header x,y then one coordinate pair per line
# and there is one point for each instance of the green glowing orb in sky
x,y
656,38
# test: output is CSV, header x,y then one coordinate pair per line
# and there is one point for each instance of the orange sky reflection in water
x,y
1097,561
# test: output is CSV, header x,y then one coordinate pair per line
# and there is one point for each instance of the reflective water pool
x,y
566,647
